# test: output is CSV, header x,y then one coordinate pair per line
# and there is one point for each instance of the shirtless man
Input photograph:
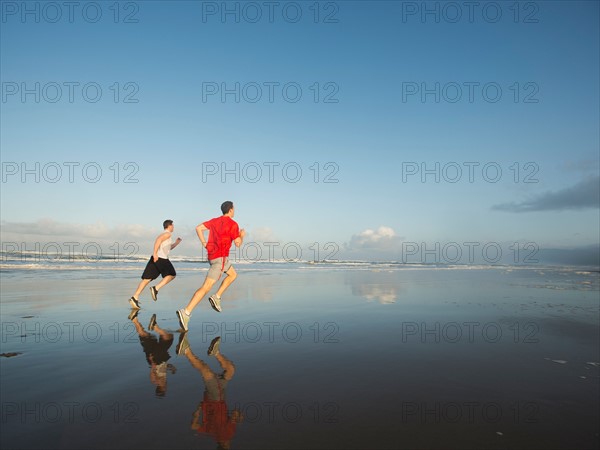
x,y
158,264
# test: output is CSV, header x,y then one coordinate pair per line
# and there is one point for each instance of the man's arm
x,y
200,229
176,243
157,243
238,241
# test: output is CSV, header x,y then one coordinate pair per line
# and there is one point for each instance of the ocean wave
x,y
201,265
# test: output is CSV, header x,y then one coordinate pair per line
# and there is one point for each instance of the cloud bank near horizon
x,y
585,194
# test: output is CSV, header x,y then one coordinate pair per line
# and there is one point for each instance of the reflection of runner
x,y
157,351
223,231
211,417
158,264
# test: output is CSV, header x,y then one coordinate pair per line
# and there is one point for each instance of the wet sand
x,y
323,359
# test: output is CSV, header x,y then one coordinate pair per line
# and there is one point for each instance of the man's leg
x,y
162,333
230,278
139,328
166,280
228,367
199,294
140,288
168,274
184,314
201,366
212,277
151,272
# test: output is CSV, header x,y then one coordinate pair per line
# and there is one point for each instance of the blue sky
x,y
369,135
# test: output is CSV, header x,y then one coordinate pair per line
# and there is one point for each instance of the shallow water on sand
x,y
484,358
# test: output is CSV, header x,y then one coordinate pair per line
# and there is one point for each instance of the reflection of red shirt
x,y
215,421
223,230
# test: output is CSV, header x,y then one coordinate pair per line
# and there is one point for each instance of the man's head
x,y
227,208
168,225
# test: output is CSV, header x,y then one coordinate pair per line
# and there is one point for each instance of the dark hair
x,y
226,207
166,223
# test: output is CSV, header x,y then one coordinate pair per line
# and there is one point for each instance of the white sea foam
x,y
187,263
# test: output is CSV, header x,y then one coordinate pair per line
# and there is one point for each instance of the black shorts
x,y
156,350
161,267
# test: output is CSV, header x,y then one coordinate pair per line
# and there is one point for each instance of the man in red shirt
x,y
212,417
223,231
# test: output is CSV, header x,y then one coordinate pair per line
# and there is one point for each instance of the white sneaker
x,y
135,304
213,348
215,302
183,319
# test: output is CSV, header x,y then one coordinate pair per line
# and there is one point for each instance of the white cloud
x,y
45,230
383,238
383,295
261,234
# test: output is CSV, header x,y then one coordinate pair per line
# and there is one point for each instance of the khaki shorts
x,y
217,267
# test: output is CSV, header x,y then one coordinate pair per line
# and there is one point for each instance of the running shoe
x,y
135,304
152,323
213,348
183,319
183,344
215,302
133,314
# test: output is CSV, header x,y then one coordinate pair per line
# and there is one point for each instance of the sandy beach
x,y
464,358
408,192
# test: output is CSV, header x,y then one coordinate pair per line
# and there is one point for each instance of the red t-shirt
x,y
222,232
216,422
